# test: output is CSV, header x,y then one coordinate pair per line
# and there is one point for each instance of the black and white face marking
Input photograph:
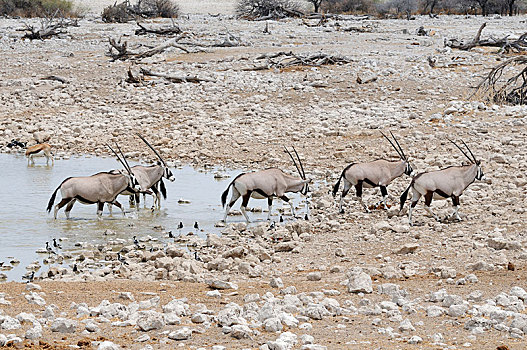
x,y
169,175
479,172
305,189
408,169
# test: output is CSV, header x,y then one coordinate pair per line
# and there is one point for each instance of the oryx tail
x,y
337,185
226,192
52,199
405,195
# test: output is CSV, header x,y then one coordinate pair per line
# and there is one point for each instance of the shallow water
x,y
25,226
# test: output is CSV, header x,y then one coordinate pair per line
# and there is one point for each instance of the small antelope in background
x,y
378,173
100,188
263,184
39,149
443,184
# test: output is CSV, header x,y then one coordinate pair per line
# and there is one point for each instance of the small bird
x,y
49,249
29,277
306,217
180,226
281,218
1,263
272,226
56,245
170,235
136,242
196,256
75,268
196,226
121,259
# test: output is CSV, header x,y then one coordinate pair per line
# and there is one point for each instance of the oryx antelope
x,y
269,183
378,173
442,184
149,177
97,189
39,149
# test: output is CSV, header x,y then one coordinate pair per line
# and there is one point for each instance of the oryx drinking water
x,y
268,184
97,189
150,177
443,184
378,173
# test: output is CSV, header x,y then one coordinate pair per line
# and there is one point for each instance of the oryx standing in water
x,y
97,189
378,173
443,184
39,149
268,184
150,177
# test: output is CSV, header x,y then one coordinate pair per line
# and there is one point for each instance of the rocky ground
x,y
354,280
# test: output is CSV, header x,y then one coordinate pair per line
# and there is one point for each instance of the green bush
x,y
37,8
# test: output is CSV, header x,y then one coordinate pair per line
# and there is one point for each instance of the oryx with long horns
x,y
443,184
378,173
100,188
269,183
150,177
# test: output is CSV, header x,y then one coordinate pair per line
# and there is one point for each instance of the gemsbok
x,y
150,177
443,184
268,183
378,173
39,149
100,188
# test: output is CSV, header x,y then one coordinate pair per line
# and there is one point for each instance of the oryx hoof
x,y
341,211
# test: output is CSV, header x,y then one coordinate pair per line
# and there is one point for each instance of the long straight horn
x,y
294,162
300,162
455,144
117,155
400,148
124,158
152,148
472,154
391,143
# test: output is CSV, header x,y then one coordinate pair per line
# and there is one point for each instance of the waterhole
x,y
25,226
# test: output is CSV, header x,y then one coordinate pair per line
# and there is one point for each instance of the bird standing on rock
x,y
56,245
170,235
180,226
136,242
281,218
49,249
29,277
196,226
121,259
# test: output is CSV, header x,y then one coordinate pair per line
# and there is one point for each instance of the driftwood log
x,y
143,30
55,78
505,44
139,79
289,59
119,50
510,89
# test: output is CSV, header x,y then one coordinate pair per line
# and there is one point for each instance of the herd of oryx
x,y
104,187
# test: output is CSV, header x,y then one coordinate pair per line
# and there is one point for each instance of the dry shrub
x,y
37,8
125,12
254,9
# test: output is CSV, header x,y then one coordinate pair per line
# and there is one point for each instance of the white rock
x,y
276,282
181,334
434,311
241,331
273,324
63,325
415,340
359,282
457,310
214,294
108,345
406,326
149,320
9,323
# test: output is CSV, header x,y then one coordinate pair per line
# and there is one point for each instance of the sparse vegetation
x,y
37,8
124,11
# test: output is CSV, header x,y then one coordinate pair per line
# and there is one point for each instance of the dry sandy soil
x,y
244,117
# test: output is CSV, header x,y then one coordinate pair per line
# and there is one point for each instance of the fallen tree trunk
x,y
123,53
176,78
48,28
505,44
172,30
289,59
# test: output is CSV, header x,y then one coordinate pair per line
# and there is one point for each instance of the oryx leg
x,y
384,193
157,198
243,207
62,203
455,203
428,200
358,189
118,205
415,198
110,208
345,190
69,207
269,207
285,199
234,198
131,200
100,207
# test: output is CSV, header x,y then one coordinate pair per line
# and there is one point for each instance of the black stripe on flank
x,y
371,183
84,200
441,193
261,193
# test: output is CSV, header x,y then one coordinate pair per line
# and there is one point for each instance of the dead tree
x,y
49,27
120,51
505,44
289,59
511,89
143,30
140,78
